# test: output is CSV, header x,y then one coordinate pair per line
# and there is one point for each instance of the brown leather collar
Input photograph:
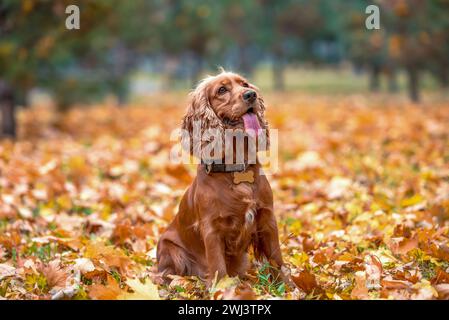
x,y
221,167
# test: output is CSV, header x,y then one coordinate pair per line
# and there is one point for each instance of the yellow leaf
x,y
227,282
142,291
407,202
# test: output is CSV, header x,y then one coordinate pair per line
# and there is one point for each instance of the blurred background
x,y
132,50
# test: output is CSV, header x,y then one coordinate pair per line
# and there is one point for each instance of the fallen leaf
x,y
55,275
443,291
6,270
306,281
142,291
84,265
360,291
109,292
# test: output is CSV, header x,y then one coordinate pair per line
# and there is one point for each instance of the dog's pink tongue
x,y
252,125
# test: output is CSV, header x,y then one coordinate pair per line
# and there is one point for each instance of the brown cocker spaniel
x,y
229,207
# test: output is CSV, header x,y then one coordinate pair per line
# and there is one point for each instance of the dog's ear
x,y
264,123
199,117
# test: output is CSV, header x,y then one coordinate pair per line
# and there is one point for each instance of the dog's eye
x,y
222,90
245,84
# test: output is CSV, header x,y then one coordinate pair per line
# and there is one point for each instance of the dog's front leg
x,y
215,257
267,242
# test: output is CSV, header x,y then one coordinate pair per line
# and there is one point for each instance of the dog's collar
x,y
221,167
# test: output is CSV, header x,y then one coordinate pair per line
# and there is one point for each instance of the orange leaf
x,y
402,245
55,275
360,290
109,292
306,281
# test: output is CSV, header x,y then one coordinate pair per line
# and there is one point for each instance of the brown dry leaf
x,y
441,277
84,265
306,281
225,286
360,291
442,252
6,271
395,284
241,292
373,270
443,291
105,292
55,275
110,255
402,245
424,291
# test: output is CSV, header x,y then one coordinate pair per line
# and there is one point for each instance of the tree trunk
x,y
196,70
444,78
119,71
244,65
7,106
393,86
278,74
413,84
374,83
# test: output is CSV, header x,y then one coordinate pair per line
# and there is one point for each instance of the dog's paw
x,y
286,276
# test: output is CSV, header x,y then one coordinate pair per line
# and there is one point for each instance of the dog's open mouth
x,y
251,123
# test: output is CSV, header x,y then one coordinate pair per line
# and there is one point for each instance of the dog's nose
x,y
249,96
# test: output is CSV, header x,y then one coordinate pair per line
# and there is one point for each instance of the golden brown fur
x,y
218,220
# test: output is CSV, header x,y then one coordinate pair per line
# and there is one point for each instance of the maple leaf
x,y
306,281
54,274
373,269
6,271
110,255
401,245
109,292
142,291
83,265
360,291
443,291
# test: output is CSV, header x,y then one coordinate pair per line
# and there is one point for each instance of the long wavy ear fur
x,y
264,124
199,117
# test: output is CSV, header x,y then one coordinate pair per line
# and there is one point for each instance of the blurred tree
x,y
189,27
421,38
300,30
366,48
36,49
271,37
239,19
34,44
413,36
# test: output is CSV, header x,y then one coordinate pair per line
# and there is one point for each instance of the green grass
x,y
306,79
266,282
331,80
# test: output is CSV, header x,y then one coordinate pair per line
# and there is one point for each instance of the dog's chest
x,y
238,222
238,230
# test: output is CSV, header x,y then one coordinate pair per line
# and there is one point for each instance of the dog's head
x,y
224,101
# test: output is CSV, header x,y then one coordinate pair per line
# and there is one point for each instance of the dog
x,y
220,216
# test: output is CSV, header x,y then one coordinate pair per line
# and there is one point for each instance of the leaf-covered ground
x,y
361,198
